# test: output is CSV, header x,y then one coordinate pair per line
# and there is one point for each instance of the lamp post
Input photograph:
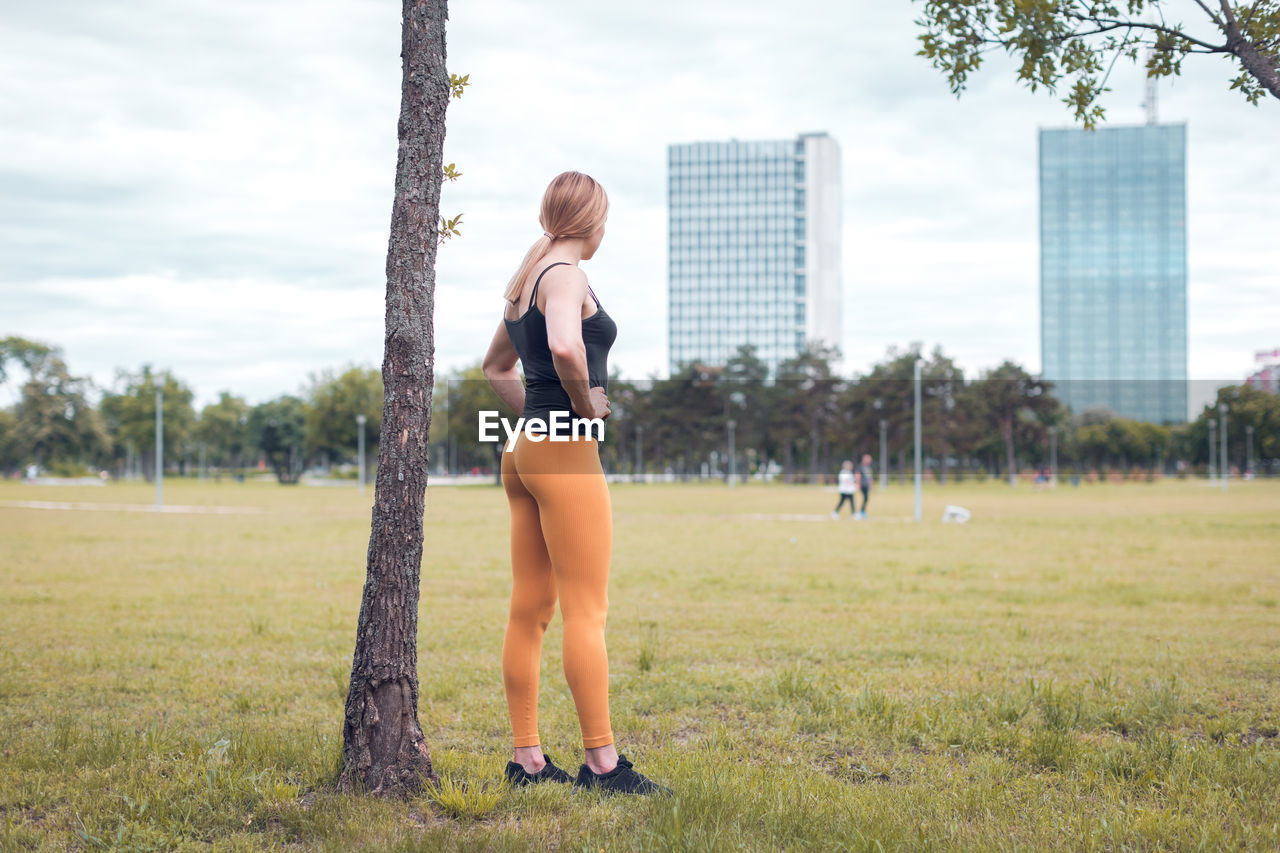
x,y
733,469
919,478
1213,450
449,456
884,443
1248,449
1053,457
639,453
814,439
946,429
732,402
159,447
1225,474
360,422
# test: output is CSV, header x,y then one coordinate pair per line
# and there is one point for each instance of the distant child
x,y
1042,478
864,482
847,487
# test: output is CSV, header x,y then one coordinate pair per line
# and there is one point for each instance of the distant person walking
x,y
848,488
865,475
561,519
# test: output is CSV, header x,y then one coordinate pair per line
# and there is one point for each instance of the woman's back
x,y
544,392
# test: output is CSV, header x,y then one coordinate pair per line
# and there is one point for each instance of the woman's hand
x,y
599,403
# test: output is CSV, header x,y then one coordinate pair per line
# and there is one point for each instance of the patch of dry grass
x,y
1091,667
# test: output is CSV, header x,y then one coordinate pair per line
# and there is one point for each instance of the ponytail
x,y
536,253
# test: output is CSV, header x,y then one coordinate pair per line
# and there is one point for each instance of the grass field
x,y
1089,668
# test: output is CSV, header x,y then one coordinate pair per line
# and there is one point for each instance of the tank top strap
x,y
533,295
599,307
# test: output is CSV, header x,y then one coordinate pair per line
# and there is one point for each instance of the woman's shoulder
x,y
563,280
563,272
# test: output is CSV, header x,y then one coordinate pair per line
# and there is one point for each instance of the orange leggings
x,y
561,536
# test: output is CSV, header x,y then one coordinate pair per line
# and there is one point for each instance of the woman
x,y
561,522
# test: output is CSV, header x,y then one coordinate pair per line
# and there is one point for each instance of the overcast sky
x,y
206,185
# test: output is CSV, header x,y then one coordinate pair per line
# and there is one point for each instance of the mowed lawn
x,y
1093,667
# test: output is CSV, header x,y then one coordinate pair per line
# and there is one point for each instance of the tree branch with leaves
x,y
1074,45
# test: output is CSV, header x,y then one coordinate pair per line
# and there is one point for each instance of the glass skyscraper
x,y
754,248
1113,269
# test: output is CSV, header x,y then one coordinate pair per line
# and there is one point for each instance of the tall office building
x,y
1113,269
754,248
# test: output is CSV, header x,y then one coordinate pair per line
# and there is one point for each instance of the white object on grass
x,y
958,514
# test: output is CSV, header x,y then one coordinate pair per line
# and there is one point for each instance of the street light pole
x,y
360,450
159,447
449,458
884,431
1213,450
733,467
1248,449
919,473
884,454
1053,457
1222,435
639,453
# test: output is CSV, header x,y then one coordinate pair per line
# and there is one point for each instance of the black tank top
x,y
543,392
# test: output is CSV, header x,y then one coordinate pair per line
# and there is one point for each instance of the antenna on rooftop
x,y
1149,102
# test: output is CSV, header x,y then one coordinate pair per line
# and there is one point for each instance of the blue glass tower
x,y
754,248
1113,269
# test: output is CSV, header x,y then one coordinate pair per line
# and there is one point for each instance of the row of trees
x,y
800,424
62,423
807,419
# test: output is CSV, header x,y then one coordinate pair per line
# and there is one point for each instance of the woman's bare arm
x,y
500,369
565,294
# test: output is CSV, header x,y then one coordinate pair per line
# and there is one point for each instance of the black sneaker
x,y
620,780
519,777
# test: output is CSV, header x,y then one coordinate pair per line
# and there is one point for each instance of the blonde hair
x,y
574,205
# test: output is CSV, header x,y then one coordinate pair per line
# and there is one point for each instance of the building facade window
x,y
1113,269
752,260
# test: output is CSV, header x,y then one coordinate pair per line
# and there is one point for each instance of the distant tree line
x,y
64,425
801,423
796,426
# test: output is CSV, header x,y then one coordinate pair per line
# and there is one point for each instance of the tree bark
x,y
1255,63
383,748
1262,68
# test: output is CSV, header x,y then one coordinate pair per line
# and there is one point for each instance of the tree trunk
x,y
383,749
